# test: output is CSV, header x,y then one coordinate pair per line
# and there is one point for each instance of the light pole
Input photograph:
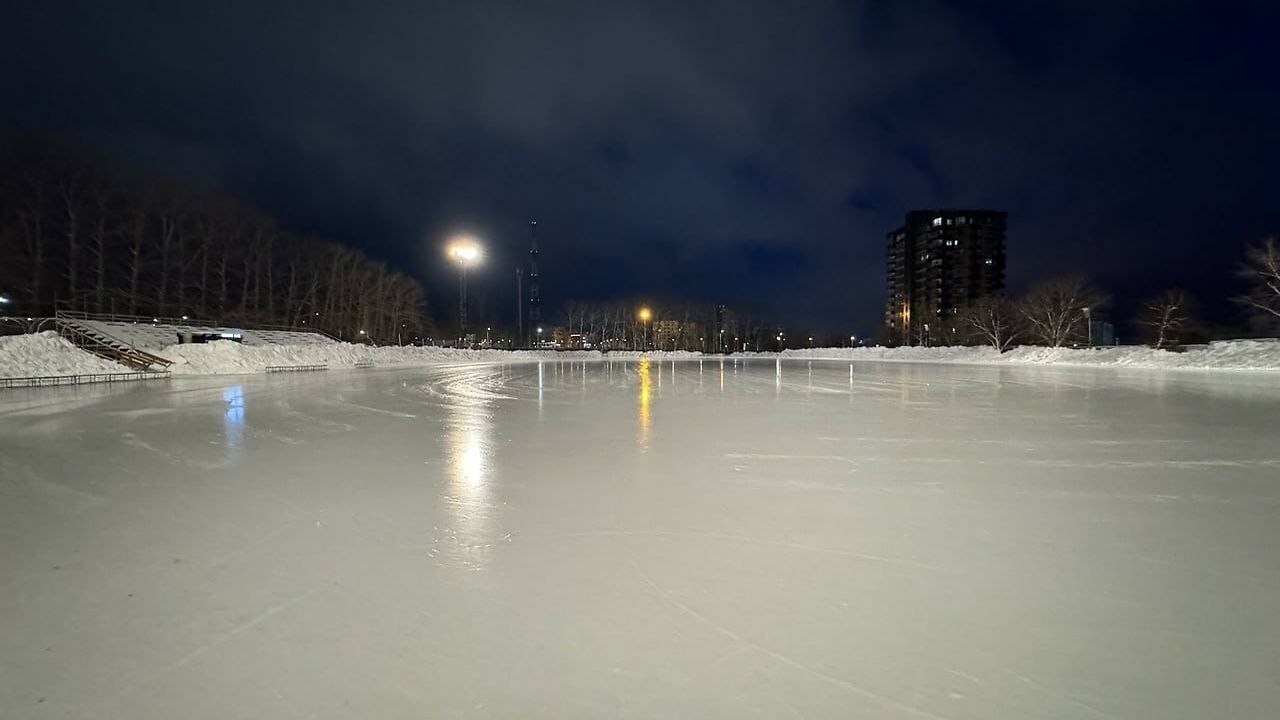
x,y
520,339
1088,321
465,252
644,315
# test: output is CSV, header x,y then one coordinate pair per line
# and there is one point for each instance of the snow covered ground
x,y
706,539
46,354
231,358
1224,355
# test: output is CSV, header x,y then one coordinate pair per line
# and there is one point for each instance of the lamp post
x,y
465,252
1088,321
644,315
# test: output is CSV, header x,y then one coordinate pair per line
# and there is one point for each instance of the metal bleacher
x,y
134,340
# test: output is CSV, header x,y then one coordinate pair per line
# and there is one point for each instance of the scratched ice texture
x,y
643,539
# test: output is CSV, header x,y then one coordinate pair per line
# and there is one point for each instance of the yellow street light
x,y
644,315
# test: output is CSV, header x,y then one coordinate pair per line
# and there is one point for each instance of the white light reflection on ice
x,y
541,379
468,448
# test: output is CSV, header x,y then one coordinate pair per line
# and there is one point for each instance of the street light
x,y
465,252
4,300
1088,319
644,315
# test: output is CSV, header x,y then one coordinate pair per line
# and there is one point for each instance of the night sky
x,y
750,152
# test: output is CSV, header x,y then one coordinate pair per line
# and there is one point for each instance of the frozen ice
x,y
716,538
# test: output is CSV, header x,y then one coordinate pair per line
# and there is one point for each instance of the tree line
x,y
669,325
77,233
1058,312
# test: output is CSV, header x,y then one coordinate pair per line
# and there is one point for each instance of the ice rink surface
x,y
644,540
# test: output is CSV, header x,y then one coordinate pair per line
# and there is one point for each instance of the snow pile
x,y
1222,355
47,353
220,358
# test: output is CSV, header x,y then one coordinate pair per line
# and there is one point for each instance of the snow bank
x,y
47,353
1223,355
221,358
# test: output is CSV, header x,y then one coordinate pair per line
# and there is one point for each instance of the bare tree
x,y
992,321
1055,310
76,234
1166,317
1261,269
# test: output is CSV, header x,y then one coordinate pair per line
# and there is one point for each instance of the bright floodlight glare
x,y
4,299
465,251
645,314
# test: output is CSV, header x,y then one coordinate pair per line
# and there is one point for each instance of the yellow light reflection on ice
x,y
646,390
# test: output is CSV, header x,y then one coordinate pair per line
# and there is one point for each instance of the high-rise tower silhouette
x,y
534,286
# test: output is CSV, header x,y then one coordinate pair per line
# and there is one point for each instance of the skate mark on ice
x,y
780,657
1051,692
1176,464
748,539
221,639
785,456
380,411
966,676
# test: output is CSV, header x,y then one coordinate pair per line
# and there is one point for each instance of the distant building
x,y
938,262
676,335
666,334
565,339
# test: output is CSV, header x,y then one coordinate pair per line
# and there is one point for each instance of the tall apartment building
x,y
939,261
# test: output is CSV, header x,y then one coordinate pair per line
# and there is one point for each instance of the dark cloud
x,y
739,149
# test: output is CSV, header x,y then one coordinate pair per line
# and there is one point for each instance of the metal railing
x,y
107,346
81,379
188,322
296,368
